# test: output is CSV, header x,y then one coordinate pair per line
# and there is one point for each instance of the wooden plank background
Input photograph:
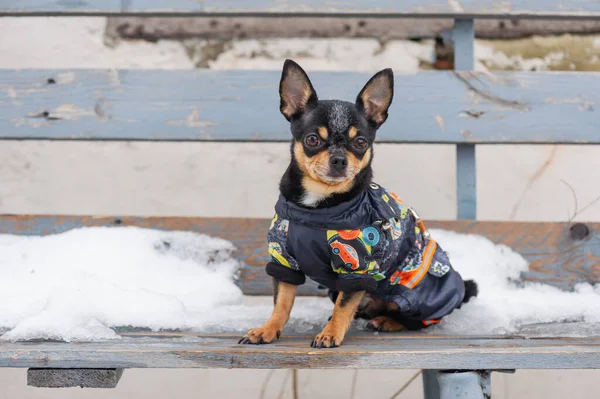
x,y
224,28
555,257
383,8
429,107
361,350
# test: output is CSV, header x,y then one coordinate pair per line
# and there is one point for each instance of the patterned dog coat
x,y
373,242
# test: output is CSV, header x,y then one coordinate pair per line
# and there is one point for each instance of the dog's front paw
x,y
384,323
262,335
328,338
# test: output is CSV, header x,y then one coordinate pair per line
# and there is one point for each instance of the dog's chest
x,y
312,199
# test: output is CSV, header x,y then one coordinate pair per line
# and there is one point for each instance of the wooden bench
x,y
460,107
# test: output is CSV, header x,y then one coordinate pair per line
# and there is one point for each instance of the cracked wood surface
x,y
558,253
583,9
360,350
428,107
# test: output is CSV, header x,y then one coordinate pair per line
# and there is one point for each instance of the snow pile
x,y
75,286
505,305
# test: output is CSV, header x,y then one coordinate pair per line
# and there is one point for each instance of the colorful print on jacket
x,y
373,242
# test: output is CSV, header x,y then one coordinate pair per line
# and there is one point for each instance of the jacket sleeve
x,y
282,265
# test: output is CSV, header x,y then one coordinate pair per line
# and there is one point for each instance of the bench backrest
x,y
460,107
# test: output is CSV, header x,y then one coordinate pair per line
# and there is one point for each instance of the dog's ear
x,y
295,90
375,98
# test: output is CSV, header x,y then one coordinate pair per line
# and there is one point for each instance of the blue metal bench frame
x,y
45,119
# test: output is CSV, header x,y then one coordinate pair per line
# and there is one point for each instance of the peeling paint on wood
x,y
65,78
440,121
479,88
65,112
244,106
193,120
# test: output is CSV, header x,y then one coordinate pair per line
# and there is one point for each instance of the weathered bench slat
x,y
555,257
360,350
312,8
429,107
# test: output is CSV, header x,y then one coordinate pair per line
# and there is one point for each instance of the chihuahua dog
x,y
349,234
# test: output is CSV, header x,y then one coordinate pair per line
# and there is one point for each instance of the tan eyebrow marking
x,y
323,132
352,132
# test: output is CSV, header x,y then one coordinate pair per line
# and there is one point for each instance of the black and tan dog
x,y
346,232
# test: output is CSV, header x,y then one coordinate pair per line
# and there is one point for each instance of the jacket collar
x,y
349,215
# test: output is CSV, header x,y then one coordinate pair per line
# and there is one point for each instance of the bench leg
x,y
431,388
466,385
70,378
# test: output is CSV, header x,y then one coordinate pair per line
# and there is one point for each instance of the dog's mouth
x,y
338,174
334,180
334,177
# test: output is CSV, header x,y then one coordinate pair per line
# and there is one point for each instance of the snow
x,y
504,306
74,286
79,285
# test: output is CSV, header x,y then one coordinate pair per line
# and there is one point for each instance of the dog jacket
x,y
373,242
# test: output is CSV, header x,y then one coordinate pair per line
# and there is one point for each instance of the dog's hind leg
x,y
283,297
370,307
385,323
343,314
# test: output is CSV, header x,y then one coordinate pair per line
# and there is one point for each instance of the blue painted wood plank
x,y
463,36
383,8
428,107
466,182
431,388
360,350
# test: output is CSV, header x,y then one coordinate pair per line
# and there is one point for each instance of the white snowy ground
x,y
76,285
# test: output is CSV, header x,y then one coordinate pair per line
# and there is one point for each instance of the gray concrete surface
x,y
208,179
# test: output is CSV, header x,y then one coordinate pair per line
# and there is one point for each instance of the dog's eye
x,y
312,140
360,143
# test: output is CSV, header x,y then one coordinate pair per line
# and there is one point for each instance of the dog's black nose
x,y
338,162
